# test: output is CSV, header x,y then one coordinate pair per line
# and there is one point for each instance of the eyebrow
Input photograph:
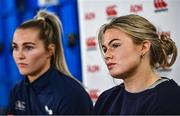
x,y
111,42
26,43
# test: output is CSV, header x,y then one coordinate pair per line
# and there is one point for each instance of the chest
x,y
29,101
128,105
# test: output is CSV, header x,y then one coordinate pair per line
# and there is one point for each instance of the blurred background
x,y
81,20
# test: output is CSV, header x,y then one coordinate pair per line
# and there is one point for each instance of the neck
x,y
37,74
140,80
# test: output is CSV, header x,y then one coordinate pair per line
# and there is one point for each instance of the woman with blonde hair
x,y
48,86
133,49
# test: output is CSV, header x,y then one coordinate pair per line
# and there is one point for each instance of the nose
x,y
19,54
108,55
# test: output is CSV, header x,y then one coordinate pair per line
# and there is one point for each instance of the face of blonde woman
x,y
121,55
29,52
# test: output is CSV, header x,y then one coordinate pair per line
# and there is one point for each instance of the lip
x,y
110,65
22,65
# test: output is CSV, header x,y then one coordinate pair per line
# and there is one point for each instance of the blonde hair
x,y
140,29
50,29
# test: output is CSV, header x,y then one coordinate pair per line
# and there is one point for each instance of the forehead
x,y
26,35
113,33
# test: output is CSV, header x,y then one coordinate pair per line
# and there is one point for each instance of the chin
x,y
23,72
119,72
117,75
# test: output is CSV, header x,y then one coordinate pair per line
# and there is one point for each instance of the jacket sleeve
x,y
11,104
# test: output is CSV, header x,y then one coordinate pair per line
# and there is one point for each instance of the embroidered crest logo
x,y
20,105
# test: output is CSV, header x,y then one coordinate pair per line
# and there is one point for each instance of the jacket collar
x,y
42,82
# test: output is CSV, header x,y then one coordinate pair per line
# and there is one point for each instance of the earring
x,y
142,55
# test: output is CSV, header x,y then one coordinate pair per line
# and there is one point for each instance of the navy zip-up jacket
x,y
52,93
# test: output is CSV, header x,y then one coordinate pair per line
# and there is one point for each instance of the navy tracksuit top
x,y
52,93
163,99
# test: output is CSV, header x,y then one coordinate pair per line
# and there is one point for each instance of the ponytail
x,y
50,29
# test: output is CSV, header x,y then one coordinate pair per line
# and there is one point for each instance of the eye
x,y
115,45
104,49
28,48
14,48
